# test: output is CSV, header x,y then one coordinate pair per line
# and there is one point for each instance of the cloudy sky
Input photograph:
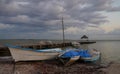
x,y
41,19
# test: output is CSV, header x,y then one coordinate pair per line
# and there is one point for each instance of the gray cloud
x,y
38,16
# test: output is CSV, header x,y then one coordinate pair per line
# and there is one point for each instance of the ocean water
x,y
110,49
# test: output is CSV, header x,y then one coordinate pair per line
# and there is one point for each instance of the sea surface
x,y
110,49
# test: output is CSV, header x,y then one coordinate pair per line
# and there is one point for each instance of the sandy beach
x,y
47,67
113,68
55,67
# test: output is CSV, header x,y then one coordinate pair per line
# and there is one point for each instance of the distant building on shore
x,y
84,37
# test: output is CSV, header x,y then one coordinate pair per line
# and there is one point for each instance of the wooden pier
x,y
44,46
87,42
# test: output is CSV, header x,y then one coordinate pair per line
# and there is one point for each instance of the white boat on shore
x,y
22,54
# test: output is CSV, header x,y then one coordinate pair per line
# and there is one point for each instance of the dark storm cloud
x,y
35,16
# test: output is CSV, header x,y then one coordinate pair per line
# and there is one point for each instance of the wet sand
x,y
114,68
48,67
55,67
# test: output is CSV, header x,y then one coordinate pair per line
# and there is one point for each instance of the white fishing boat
x,y
23,54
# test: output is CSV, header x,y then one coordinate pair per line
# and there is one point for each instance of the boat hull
x,y
28,55
92,59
